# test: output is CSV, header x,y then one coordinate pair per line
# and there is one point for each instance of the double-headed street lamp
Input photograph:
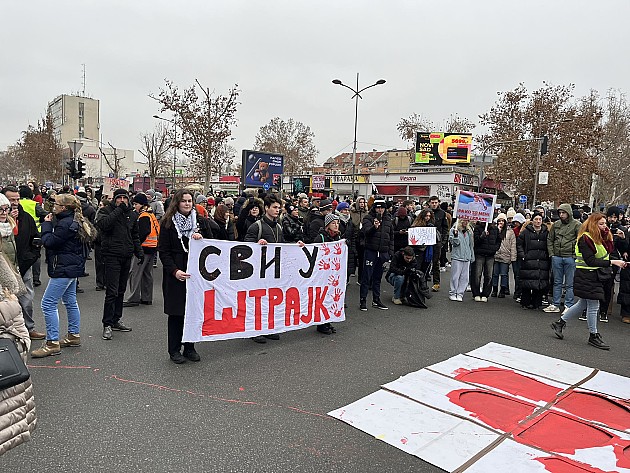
x,y
356,96
174,122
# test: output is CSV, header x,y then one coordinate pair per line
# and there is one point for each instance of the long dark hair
x,y
420,219
174,206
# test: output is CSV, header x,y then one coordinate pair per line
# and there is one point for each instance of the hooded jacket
x,y
562,236
65,252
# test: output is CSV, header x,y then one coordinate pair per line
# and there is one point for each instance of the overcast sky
x,y
438,57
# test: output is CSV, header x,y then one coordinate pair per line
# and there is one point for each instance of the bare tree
x,y
205,123
155,146
408,127
113,160
40,151
12,170
573,128
291,138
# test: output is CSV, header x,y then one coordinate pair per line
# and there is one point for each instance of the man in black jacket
x,y
441,223
27,246
316,219
378,228
118,227
402,263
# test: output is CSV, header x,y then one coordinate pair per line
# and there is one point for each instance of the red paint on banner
x,y
307,319
565,465
494,409
510,382
318,304
227,323
257,294
598,408
292,307
276,295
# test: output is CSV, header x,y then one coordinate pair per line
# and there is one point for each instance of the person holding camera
x,y
120,240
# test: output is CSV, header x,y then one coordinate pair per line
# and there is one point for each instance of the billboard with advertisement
x,y
443,148
262,169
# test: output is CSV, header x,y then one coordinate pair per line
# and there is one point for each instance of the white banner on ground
x,y
475,206
242,290
422,235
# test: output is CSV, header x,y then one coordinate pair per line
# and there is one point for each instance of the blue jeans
x,y
500,269
592,310
396,281
563,270
66,290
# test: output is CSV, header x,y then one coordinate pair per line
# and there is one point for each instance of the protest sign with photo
x,y
474,206
242,290
422,235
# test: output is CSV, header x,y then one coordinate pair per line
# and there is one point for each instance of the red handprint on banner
x,y
413,240
335,310
325,249
338,248
336,264
324,265
336,295
333,281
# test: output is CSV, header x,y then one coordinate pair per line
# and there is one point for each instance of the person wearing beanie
x,y
316,219
505,255
328,233
141,277
120,240
401,226
201,206
292,224
510,214
561,247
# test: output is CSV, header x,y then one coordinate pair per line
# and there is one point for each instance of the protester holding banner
x,y
424,253
179,224
462,242
263,231
328,233
378,228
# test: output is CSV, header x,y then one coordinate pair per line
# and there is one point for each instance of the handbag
x,y
604,274
13,371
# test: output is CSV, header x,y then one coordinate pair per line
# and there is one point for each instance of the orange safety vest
x,y
152,239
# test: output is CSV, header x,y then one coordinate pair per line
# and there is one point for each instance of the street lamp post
x,y
174,122
356,96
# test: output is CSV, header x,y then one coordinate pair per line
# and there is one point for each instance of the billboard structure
x,y
443,148
262,169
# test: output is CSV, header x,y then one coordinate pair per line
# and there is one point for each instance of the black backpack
x,y
416,290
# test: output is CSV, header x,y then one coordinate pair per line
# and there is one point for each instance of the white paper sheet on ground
x,y
609,383
438,438
459,364
541,365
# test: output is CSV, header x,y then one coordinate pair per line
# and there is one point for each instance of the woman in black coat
x,y
292,225
534,273
179,224
401,225
592,256
224,230
252,210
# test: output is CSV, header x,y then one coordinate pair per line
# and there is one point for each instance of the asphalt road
x,y
122,406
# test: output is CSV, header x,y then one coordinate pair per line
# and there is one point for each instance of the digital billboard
x,y
262,169
443,148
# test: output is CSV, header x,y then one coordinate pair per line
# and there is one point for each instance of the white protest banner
x,y
242,290
475,206
110,184
422,235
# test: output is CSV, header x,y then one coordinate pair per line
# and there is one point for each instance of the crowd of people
x,y
127,233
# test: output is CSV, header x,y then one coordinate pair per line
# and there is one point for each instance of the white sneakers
x,y
460,298
481,299
477,298
452,298
484,299
396,301
551,309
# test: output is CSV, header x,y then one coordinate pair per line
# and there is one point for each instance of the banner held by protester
x,y
242,290
474,206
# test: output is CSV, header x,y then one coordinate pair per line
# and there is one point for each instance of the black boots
x,y
501,293
557,327
494,292
595,339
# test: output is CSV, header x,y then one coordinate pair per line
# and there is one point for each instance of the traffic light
x,y
71,168
544,145
80,172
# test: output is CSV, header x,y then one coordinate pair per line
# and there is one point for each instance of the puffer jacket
x,y
562,236
65,253
507,251
381,240
18,418
532,251
292,229
486,245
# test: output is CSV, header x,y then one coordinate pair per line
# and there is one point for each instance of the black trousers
x,y
437,251
532,297
116,277
175,334
99,265
359,261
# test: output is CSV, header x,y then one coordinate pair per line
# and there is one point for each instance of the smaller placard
x,y
422,235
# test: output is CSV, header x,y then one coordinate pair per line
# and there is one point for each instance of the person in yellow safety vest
x,y
593,267
37,212
141,276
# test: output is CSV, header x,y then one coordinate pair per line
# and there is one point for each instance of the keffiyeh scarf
x,y
185,225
